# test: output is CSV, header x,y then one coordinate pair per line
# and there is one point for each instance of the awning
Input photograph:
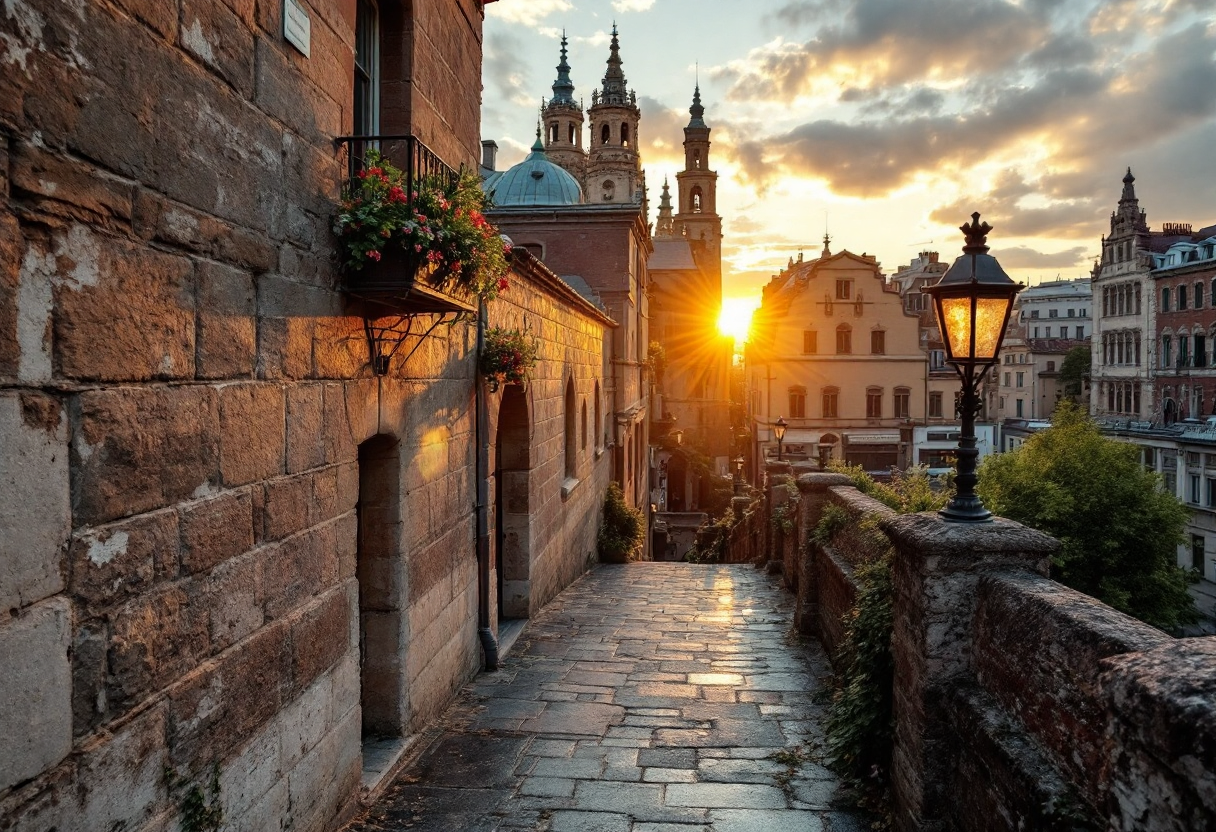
x,y
872,438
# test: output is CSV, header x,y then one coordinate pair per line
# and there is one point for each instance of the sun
x,y
736,316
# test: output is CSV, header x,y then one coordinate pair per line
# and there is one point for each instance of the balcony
x,y
402,282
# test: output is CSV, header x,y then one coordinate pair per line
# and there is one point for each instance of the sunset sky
x,y
890,121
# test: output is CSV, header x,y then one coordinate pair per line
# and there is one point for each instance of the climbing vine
x,y
199,805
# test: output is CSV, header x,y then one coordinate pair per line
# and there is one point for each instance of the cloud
x,y
662,130
1023,257
506,71
526,12
632,5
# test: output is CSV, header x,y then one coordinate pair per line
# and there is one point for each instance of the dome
x,y
535,181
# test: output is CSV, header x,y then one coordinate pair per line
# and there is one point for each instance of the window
x,y
1008,377
873,402
696,199
367,70
935,405
696,160
844,340
797,402
937,359
1080,332
1184,358
1194,489
1053,313
1019,408
1211,495
844,289
624,135
1198,295
1034,313
831,396
903,402
1021,379
571,134
1051,366
599,418
571,437
810,342
582,427
605,134
1181,297
1201,352
1165,351
1165,299
1072,313
878,342
1036,332
1046,332
1197,552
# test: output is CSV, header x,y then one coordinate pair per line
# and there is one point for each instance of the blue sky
x,y
892,120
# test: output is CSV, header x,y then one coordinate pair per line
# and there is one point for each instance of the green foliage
x,y
715,552
833,520
199,806
439,221
908,491
1074,369
656,361
782,516
1118,529
507,355
623,529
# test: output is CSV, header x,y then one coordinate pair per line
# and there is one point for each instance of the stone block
x,y
162,220
155,13
154,640
252,426
322,634
216,529
306,720
111,563
340,348
36,720
231,595
227,329
215,709
281,92
122,312
218,37
287,506
252,774
11,246
35,506
305,436
62,186
327,778
290,574
284,347
137,449
90,642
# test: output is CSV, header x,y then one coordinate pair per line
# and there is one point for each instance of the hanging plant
x,y
435,223
507,356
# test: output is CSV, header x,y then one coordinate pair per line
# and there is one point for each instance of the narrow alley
x,y
645,698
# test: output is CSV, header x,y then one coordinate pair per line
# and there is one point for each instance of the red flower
x,y
502,284
374,255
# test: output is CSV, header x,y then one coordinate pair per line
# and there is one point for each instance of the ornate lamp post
x,y
739,462
972,300
779,433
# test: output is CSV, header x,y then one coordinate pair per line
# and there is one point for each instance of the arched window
x,y
624,135
1137,298
696,160
582,427
797,402
599,419
552,137
695,199
844,340
571,134
605,134
609,190
571,436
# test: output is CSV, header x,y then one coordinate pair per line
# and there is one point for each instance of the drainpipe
x,y
489,644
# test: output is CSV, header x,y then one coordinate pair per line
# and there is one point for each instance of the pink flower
x,y
417,247
374,255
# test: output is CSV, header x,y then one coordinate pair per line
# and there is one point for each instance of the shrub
x,y
622,531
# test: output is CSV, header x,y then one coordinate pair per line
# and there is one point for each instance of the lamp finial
x,y
976,234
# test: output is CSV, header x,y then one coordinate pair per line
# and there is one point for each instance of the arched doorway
x,y
383,593
512,498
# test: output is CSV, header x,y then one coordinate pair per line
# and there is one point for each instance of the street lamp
x,y
779,432
972,301
739,462
678,435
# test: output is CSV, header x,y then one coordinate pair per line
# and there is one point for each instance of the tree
x,y
1118,529
1074,369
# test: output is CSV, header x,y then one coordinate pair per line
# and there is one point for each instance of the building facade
x,y
1185,327
228,537
834,352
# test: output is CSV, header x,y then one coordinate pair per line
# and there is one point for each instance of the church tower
x,y
698,218
613,166
563,117
664,227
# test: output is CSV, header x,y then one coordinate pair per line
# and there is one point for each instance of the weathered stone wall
x,y
1021,704
183,399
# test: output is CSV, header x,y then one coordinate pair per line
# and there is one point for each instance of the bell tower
x,y
613,165
698,218
664,227
563,118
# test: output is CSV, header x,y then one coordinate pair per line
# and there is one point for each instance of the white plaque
x,y
297,28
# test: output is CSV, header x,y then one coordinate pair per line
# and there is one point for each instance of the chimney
x,y
489,153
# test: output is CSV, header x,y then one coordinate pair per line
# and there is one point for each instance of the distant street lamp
x,y
972,300
678,435
739,462
779,432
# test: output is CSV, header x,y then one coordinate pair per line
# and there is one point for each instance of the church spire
x,y
563,87
1129,188
665,224
696,110
614,91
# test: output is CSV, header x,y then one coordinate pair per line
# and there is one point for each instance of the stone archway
x,y
512,504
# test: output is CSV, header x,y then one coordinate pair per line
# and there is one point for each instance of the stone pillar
x,y
814,490
937,567
775,495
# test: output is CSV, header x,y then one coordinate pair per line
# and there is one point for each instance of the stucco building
x,y
228,537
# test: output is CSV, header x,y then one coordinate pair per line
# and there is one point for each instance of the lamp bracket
x,y
386,335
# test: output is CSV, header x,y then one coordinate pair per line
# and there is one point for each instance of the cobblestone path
x,y
645,698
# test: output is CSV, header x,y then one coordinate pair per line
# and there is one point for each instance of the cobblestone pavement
x,y
645,698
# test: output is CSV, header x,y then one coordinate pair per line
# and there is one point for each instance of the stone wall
x,y
189,422
1019,703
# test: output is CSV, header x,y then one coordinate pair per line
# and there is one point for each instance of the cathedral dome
x,y
535,181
